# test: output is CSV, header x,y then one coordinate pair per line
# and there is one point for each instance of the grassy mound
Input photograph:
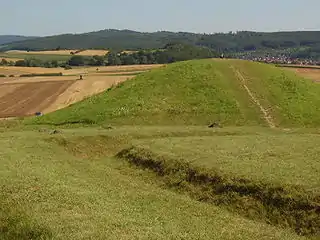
x,y
200,92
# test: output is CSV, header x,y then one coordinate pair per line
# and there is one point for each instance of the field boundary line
x,y
266,115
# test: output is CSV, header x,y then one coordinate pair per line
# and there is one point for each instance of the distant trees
x,y
171,53
4,62
76,60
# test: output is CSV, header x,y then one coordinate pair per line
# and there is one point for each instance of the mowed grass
x,y
292,100
50,191
201,92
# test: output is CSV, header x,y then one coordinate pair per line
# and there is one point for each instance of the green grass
x,y
51,188
150,168
123,74
194,92
290,99
298,66
270,175
198,93
279,159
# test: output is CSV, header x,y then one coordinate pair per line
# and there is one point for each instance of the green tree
x,y
76,60
4,62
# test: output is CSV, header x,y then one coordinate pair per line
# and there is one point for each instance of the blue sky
x,y
44,17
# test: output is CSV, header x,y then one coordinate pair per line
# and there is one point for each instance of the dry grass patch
x,y
37,70
80,90
93,53
55,52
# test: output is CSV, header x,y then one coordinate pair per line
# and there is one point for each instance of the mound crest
x,y
231,92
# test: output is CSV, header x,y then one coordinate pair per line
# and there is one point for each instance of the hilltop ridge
x,y
199,92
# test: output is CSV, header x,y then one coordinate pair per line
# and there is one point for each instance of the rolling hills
x,y
306,42
138,160
199,92
7,39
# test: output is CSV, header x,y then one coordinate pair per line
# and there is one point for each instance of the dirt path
x,y
266,115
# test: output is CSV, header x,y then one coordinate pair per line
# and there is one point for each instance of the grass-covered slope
x,y
200,92
49,192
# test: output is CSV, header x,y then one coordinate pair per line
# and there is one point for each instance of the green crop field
x,y
139,161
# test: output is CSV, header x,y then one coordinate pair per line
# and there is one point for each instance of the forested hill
x,y
4,39
132,40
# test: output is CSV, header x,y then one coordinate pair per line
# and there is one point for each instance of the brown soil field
x,y
83,89
27,70
23,96
309,73
16,80
27,98
77,70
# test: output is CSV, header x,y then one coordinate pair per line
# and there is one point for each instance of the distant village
x,y
281,59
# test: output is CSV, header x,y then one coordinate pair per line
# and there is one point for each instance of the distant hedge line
x,y
41,74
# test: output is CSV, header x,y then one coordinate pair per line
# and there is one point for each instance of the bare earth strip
x,y
265,113
28,98
83,89
309,73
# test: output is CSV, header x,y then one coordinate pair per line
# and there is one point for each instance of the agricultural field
x,y
59,55
205,149
26,55
23,96
312,73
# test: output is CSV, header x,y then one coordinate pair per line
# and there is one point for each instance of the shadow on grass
x,y
15,224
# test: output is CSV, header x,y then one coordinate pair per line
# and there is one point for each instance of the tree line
x,y
306,43
172,52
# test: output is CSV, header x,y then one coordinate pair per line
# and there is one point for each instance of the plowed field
x,y
27,98
23,96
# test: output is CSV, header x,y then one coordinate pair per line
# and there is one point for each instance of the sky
x,y
44,17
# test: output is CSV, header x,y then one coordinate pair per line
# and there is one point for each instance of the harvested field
x,y
10,59
83,89
127,68
22,96
27,70
89,52
56,52
26,99
93,53
18,80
